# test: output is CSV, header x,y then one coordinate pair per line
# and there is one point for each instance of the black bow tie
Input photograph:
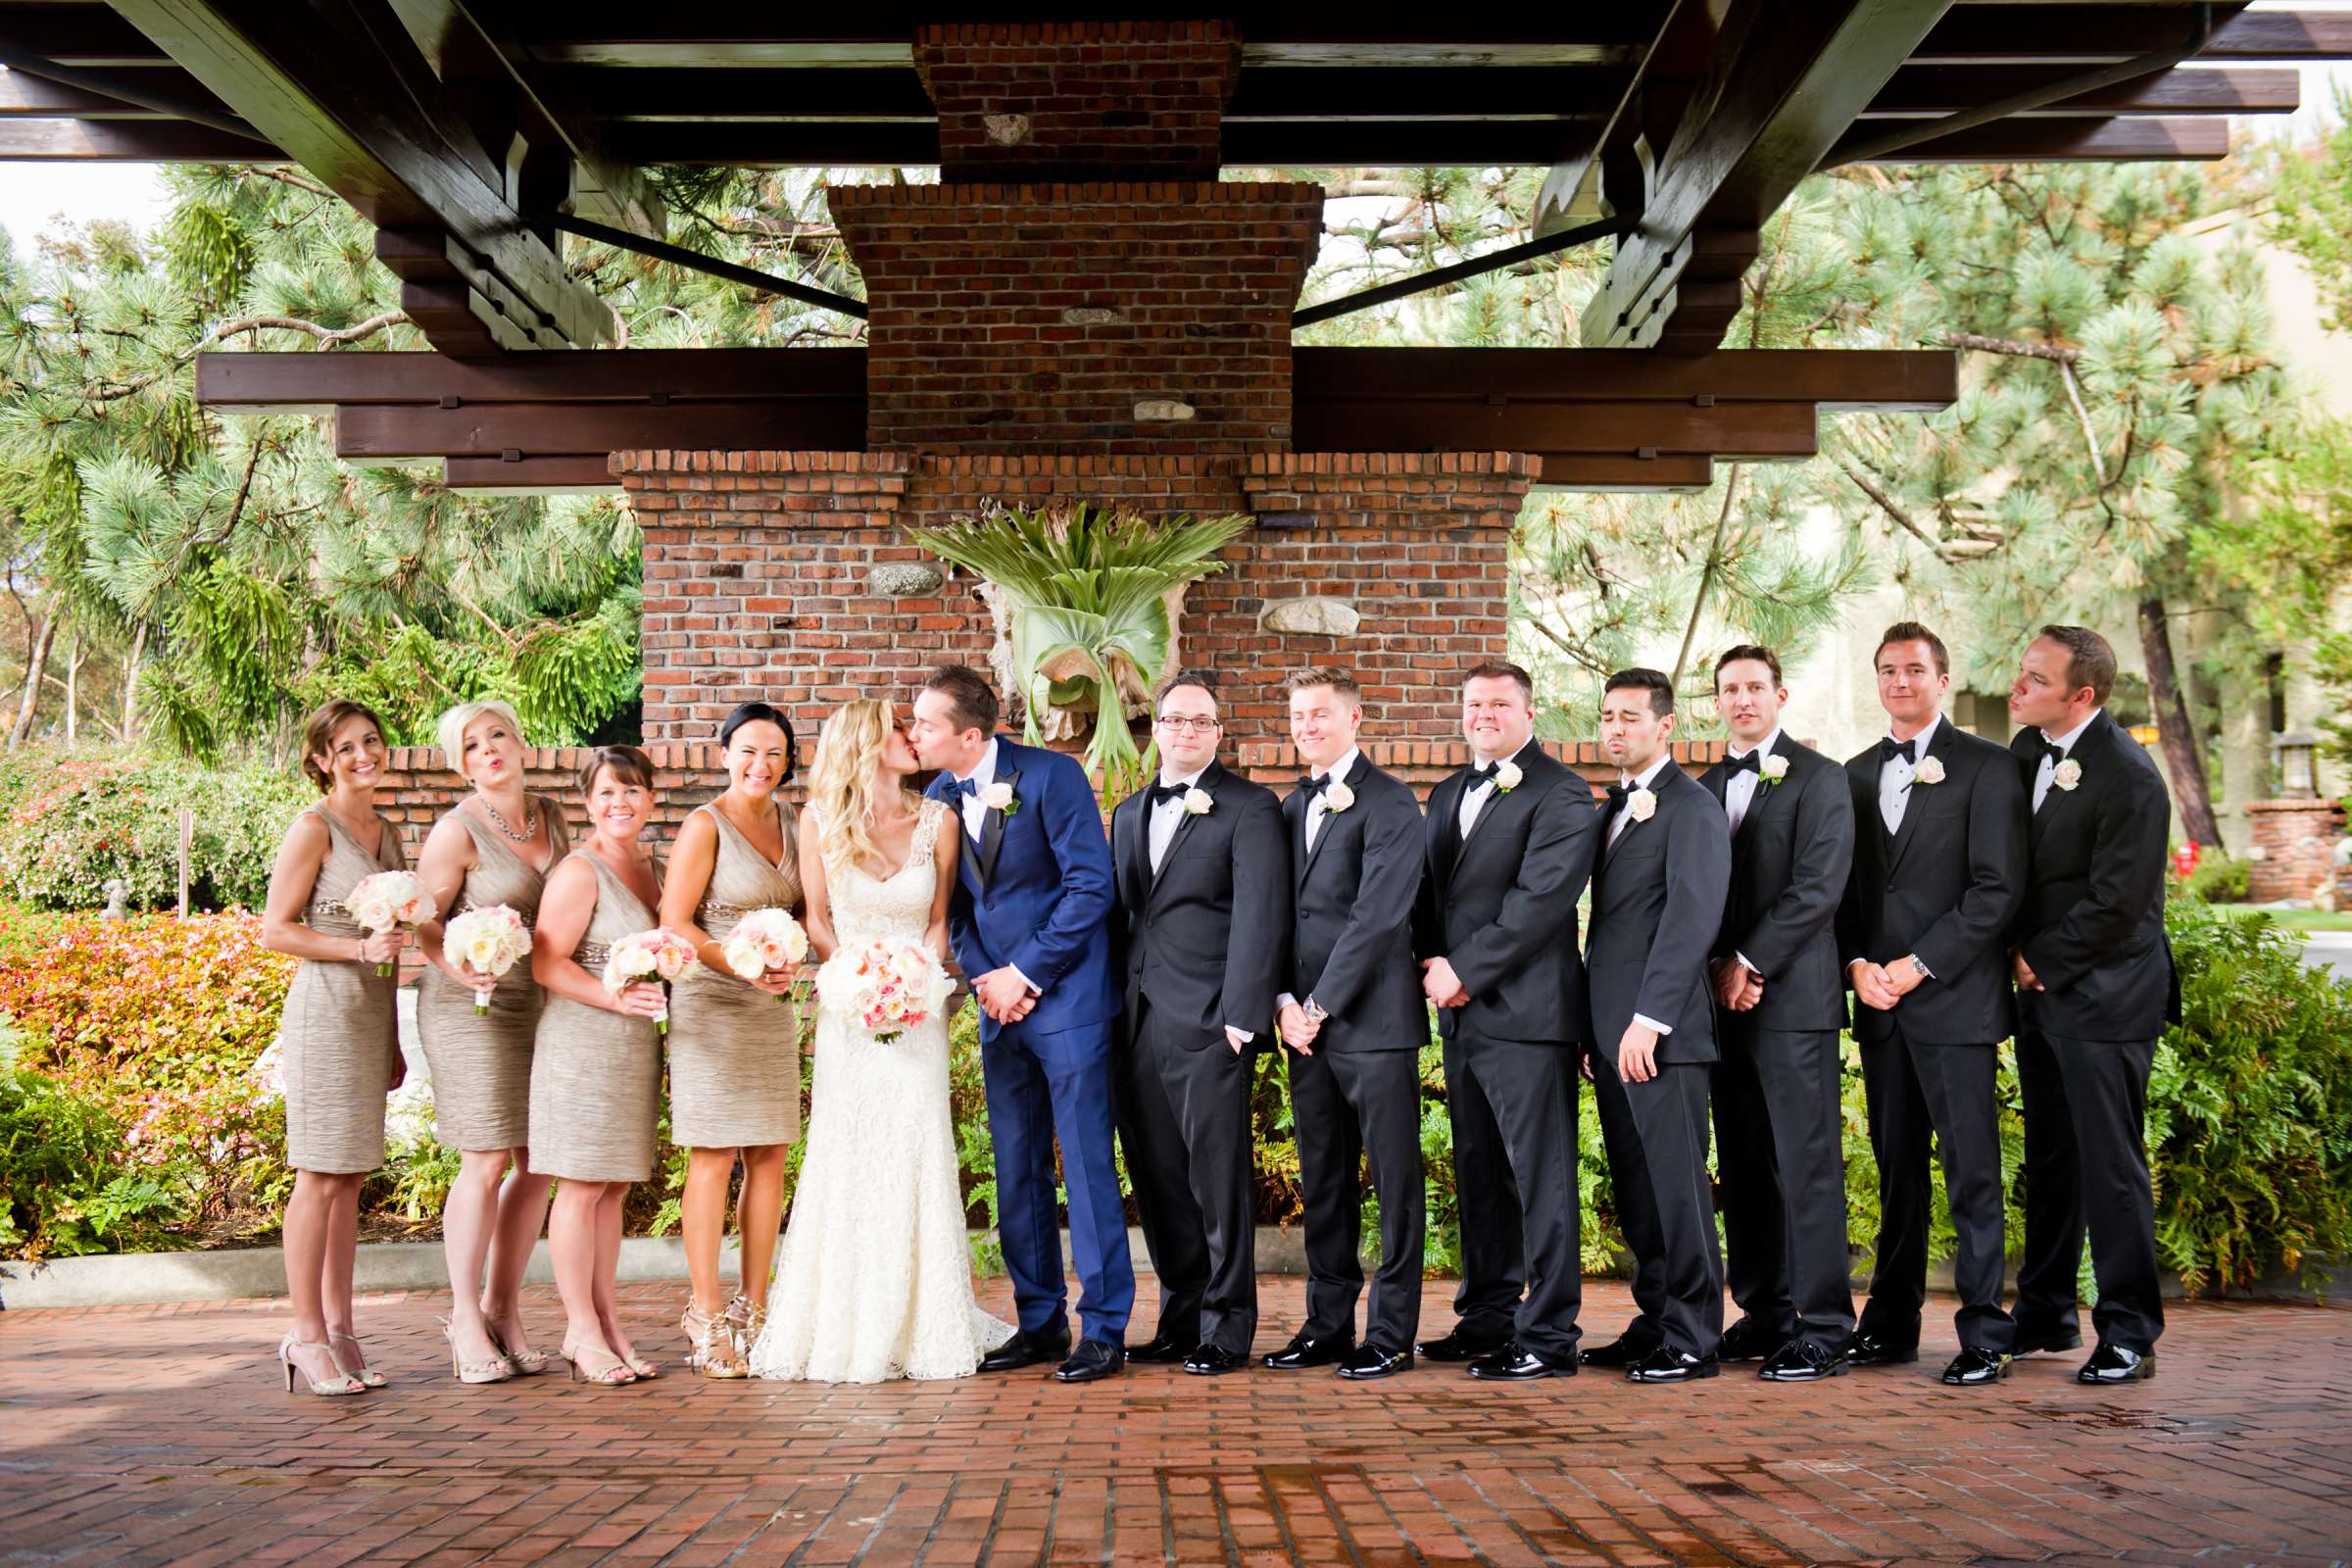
x,y
1482,770
968,786
2056,754
1314,784
1752,763
1617,795
1889,748
1168,792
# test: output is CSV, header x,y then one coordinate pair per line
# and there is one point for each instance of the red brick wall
x,y
1058,309
2296,841
756,572
1061,100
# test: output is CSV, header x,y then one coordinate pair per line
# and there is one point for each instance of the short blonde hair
x,y
451,730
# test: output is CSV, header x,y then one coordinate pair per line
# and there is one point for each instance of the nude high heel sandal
x,y
498,1369
340,1386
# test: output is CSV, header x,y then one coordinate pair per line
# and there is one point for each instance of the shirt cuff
x,y
1242,1035
1741,959
1035,988
1285,1000
1922,966
1648,1022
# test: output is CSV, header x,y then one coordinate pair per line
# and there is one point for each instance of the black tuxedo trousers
x,y
2086,1169
1777,1126
1345,1106
1513,1107
1184,1121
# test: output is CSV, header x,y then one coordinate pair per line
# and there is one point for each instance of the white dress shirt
x,y
1897,774
1476,796
2048,769
1167,817
1740,790
1319,807
1623,820
975,814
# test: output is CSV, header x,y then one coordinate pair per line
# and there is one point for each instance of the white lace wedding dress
x,y
875,1276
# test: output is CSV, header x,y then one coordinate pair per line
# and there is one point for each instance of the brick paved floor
x,y
154,1435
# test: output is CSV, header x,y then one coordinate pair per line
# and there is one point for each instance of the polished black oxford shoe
x,y
2029,1344
1091,1359
1870,1348
1975,1366
2112,1363
1162,1350
1665,1365
1302,1351
1210,1360
1374,1362
1025,1348
1516,1363
1455,1348
1624,1351
1748,1341
1802,1361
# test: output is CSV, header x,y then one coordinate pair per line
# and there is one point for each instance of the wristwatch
x,y
1314,1010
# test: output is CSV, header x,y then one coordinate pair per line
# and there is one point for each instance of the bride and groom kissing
x,y
873,1280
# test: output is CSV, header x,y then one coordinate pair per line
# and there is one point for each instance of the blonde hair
x,y
451,730
841,783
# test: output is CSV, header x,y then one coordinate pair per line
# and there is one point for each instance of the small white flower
x,y
2068,773
1773,768
1338,797
1929,771
1641,805
997,797
1197,801
1506,777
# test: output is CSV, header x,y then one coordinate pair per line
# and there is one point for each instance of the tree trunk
x,y
2183,759
130,684
74,657
36,666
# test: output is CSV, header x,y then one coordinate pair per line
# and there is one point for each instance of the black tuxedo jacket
x,y
1945,886
1658,901
1202,940
1500,905
1351,945
1790,863
2091,923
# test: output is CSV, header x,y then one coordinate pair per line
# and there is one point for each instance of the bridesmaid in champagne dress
x,y
339,1037
596,1064
495,846
734,1044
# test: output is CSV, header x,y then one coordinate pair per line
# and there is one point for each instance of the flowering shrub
x,y
69,822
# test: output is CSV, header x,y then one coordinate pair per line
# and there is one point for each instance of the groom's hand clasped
x,y
1005,996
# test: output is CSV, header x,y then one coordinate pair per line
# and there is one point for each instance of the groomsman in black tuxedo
x,y
1658,900
2095,988
1199,915
1355,1021
1940,867
1510,844
1779,1144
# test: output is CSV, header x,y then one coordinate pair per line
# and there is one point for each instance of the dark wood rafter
x,y
2067,141
343,89
1935,91
1779,88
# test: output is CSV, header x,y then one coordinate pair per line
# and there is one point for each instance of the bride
x,y
876,1280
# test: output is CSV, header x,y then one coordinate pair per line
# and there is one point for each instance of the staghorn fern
x,y
1089,591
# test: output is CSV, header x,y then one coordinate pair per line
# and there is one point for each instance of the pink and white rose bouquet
x,y
388,900
885,987
655,955
489,941
766,942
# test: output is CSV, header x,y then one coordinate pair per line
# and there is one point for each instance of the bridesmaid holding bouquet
x,y
494,848
339,1035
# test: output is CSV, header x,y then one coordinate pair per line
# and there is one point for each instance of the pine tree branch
x,y
2017,347
1887,504
328,337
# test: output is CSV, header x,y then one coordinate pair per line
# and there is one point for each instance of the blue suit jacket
x,y
1036,894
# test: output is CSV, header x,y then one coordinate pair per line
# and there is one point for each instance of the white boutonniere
x,y
1929,771
1641,805
1197,801
2068,775
1506,777
1338,797
998,796
1772,769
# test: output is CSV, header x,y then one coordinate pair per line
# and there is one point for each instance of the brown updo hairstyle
x,y
319,733
628,764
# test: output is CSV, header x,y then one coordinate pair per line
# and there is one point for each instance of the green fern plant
x,y
1088,589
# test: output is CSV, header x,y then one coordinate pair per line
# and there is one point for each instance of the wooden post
x,y
188,842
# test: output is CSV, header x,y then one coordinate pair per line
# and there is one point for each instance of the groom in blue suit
x,y
1029,917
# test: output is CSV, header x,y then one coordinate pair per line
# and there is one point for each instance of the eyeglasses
x,y
1181,726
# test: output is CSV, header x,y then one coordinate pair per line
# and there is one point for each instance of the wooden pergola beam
x,y
1782,85
127,141
1840,380
2064,141
341,88
316,383
2096,35
368,432
1933,91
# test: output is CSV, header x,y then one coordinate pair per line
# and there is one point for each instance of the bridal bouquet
x,y
655,955
885,987
491,941
764,941
386,900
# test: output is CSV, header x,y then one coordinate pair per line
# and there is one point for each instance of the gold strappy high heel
x,y
611,1375
526,1363
747,1320
715,1352
498,1369
367,1374
342,1384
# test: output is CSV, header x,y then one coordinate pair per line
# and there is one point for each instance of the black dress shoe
x,y
2112,1363
1667,1365
1624,1351
1871,1348
1162,1350
1748,1341
2055,1339
1025,1348
1302,1351
1974,1367
1516,1363
1456,1347
1092,1359
1802,1361
1374,1362
1210,1360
